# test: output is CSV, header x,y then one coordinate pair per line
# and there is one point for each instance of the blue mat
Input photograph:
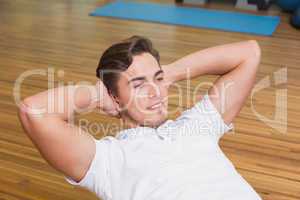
x,y
194,17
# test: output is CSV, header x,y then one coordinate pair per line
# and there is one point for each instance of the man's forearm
x,y
61,102
212,61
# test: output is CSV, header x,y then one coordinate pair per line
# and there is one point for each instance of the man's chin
x,y
155,121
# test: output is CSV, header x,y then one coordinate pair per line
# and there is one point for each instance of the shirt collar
x,y
142,131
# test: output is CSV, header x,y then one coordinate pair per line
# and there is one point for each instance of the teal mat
x,y
194,17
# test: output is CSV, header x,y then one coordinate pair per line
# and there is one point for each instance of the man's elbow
x,y
23,114
255,49
26,109
23,110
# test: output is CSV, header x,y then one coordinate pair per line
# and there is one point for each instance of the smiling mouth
x,y
156,106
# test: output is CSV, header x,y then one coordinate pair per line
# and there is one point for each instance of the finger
x,y
112,112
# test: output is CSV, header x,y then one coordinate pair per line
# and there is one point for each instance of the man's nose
x,y
153,90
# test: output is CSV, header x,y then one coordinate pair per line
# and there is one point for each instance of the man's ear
x,y
116,102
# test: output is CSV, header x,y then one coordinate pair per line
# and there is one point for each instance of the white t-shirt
x,y
180,160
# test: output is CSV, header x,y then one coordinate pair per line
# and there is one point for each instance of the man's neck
x,y
128,122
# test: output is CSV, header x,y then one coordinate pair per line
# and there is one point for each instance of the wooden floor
x,y
59,34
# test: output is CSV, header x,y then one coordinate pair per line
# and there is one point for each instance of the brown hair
x,y
118,57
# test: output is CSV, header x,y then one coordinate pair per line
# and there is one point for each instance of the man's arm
x,y
63,145
237,63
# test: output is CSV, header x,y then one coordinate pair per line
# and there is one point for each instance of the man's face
x,y
143,91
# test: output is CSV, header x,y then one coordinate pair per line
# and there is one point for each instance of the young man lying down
x,y
153,158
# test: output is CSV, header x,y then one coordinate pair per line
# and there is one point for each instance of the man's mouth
x,y
156,106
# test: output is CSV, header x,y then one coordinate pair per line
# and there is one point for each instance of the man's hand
x,y
105,101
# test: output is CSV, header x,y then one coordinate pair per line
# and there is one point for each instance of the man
x,y
154,158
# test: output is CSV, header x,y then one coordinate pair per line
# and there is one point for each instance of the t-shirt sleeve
x,y
97,178
204,116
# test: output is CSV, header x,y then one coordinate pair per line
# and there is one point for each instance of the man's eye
x,y
138,85
160,79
